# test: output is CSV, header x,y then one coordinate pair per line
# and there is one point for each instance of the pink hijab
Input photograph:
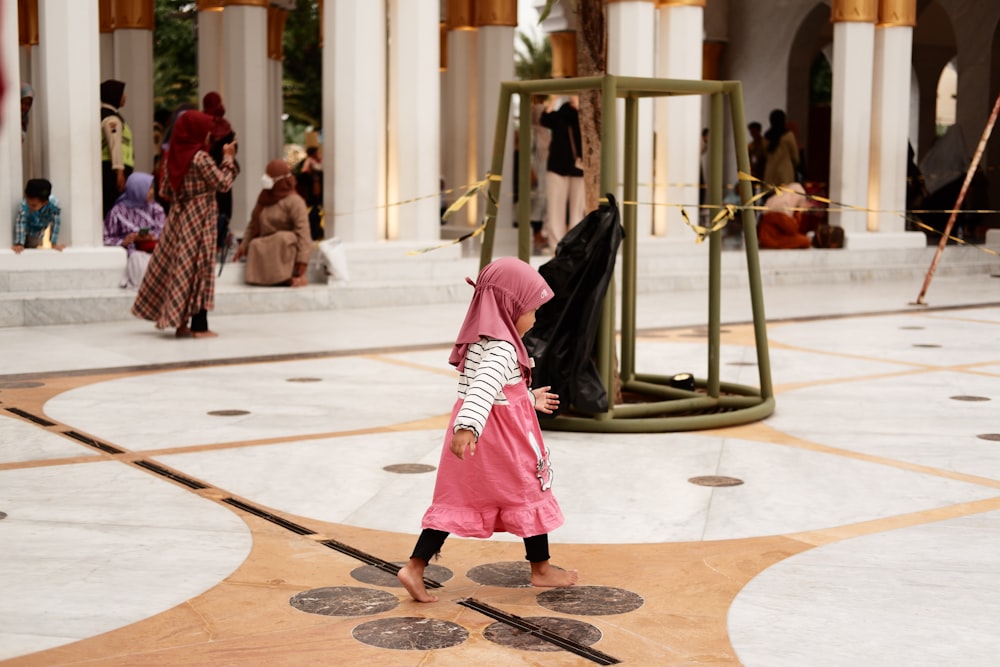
x,y
505,289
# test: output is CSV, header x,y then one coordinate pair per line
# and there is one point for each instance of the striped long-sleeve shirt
x,y
490,365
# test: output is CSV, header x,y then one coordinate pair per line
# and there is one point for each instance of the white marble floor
x,y
884,411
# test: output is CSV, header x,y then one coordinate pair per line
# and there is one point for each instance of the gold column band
x,y
460,15
897,13
27,22
496,12
443,45
680,3
276,17
563,53
210,5
246,3
854,11
132,14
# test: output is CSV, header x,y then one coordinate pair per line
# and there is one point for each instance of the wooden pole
x,y
958,202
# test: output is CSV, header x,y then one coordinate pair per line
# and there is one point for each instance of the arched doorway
x,y
809,74
933,48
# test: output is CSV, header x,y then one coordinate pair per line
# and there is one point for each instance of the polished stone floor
x,y
234,501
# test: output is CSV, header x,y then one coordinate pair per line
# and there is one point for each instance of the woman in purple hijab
x,y
135,222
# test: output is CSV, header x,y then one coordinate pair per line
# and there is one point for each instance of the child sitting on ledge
x,y
39,212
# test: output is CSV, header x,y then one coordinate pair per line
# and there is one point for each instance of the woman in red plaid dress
x,y
179,286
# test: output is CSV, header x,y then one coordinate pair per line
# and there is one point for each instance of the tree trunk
x,y
592,60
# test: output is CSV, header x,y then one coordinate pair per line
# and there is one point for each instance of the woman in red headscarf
x,y
277,242
179,285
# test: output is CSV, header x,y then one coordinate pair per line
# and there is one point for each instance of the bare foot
x,y
204,334
182,332
411,576
547,576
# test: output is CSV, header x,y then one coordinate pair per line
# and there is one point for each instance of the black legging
x,y
199,321
536,547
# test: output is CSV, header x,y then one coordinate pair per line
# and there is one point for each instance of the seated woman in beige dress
x,y
277,244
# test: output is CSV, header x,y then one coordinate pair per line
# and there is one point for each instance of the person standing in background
x,y
27,99
564,187
782,151
222,134
117,156
758,153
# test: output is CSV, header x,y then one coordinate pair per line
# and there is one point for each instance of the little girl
x,y
494,474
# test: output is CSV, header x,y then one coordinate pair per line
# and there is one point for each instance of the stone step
x,y
393,274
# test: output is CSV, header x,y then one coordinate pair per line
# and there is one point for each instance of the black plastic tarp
x,y
564,337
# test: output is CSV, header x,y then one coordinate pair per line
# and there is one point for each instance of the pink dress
x,y
499,488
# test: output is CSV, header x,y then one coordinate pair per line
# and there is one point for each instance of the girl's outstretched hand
x,y
545,401
463,438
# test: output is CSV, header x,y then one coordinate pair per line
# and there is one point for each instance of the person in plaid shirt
x,y
39,212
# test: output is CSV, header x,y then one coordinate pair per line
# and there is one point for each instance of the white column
x,y
850,141
275,136
631,52
414,120
133,57
210,61
496,64
31,150
890,125
70,109
678,119
244,32
10,130
462,111
276,19
354,99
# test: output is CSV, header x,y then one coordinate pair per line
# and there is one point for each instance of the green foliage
x,y
821,82
303,66
533,58
175,55
175,60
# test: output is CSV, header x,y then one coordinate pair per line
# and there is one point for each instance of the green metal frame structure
x,y
713,403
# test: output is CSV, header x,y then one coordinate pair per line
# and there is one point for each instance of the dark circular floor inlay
x,y
742,363
989,436
568,628
969,398
14,384
912,328
369,574
304,380
410,633
409,468
715,480
512,574
590,600
228,413
926,345
344,601
3,515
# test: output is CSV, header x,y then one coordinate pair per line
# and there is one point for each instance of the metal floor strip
x,y
374,561
96,444
170,474
268,516
536,630
27,415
